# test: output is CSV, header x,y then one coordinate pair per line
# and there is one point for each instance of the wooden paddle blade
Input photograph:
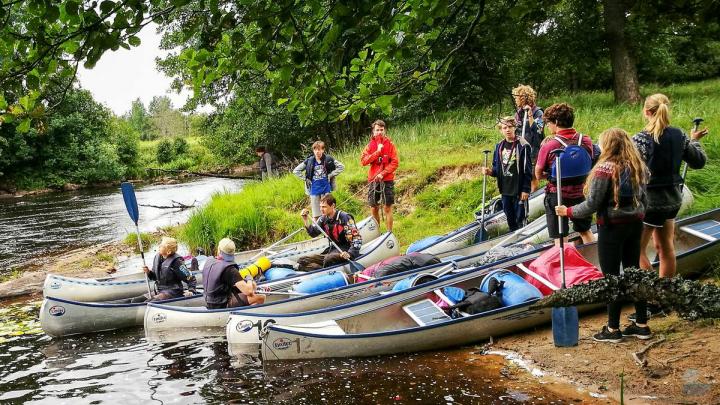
x,y
565,326
131,205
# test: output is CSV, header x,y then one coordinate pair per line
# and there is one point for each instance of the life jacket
x,y
337,229
216,292
327,161
576,162
665,158
166,277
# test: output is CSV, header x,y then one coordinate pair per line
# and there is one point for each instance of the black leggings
x,y
620,244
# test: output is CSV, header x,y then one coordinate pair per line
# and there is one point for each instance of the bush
x,y
180,147
165,152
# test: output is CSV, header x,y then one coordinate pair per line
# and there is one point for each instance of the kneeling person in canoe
x,y
224,287
340,227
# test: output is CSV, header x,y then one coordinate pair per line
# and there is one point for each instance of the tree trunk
x,y
626,84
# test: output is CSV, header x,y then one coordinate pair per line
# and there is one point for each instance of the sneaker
x,y
654,313
606,336
640,332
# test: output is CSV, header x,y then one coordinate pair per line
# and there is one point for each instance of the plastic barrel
x,y
423,243
276,273
412,281
325,282
515,290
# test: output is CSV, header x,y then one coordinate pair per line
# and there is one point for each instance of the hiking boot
x,y
640,332
606,336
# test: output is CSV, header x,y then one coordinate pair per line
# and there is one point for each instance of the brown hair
x,y
561,114
328,199
619,150
659,105
260,149
508,121
318,145
525,95
378,123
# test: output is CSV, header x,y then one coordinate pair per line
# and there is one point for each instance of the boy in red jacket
x,y
380,154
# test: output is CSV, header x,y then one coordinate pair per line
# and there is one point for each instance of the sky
x,y
124,75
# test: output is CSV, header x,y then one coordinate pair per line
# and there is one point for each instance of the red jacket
x,y
385,160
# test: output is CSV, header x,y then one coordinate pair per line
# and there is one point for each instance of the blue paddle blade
x,y
565,326
131,205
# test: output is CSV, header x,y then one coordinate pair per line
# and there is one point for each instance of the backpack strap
x,y
557,138
580,139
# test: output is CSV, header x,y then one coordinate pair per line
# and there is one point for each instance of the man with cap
x,y
224,287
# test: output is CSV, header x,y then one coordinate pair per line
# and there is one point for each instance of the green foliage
x,y
165,151
179,146
147,239
19,320
139,120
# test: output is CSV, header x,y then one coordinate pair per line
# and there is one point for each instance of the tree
x,y
139,119
165,121
626,84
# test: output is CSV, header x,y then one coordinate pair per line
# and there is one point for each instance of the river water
x,y
123,367
33,226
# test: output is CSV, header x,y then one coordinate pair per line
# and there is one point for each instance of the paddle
x,y
356,267
565,323
267,249
483,235
131,205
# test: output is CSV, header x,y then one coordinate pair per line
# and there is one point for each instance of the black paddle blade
x,y
131,205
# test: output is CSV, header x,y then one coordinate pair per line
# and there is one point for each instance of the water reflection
x,y
32,226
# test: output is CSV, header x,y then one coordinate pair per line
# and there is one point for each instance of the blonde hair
x,y
170,244
619,150
525,94
659,105
508,121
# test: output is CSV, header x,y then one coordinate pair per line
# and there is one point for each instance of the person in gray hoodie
x,y
319,172
616,191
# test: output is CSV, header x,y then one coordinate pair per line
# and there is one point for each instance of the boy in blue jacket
x,y
512,167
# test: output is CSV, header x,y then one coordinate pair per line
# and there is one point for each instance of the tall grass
x,y
265,211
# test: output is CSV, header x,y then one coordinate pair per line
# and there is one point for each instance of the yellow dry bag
x,y
256,268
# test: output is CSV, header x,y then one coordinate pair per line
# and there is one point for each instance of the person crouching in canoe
x,y
169,272
223,283
340,227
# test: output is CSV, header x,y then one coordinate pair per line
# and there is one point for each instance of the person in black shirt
x,y
224,287
512,167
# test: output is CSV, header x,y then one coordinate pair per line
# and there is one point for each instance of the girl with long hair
x,y
615,190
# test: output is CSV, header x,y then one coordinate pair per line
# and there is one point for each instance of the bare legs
x,y
387,210
663,240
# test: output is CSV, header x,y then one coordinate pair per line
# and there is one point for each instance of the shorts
x,y
579,224
315,204
656,219
381,193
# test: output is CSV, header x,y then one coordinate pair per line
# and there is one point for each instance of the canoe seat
x,y
708,230
426,312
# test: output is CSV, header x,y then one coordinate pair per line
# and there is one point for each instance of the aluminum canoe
x,y
382,325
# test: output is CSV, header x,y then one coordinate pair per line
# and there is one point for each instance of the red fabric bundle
x,y
577,269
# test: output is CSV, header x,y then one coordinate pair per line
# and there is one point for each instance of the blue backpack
x,y
576,161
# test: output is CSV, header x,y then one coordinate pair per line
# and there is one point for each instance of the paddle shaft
x,y
261,252
484,189
560,219
526,202
131,206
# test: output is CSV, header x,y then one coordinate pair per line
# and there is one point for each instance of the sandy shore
x,y
681,364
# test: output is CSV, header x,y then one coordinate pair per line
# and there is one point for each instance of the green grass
x,y
431,202
197,159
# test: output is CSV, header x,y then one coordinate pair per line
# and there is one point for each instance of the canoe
x,y
162,316
496,223
61,317
407,321
132,285
175,317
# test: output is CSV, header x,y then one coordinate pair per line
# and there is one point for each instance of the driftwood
x,y
175,206
691,299
639,357
218,175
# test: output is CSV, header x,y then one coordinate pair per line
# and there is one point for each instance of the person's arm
x,y
182,272
541,162
310,227
247,288
368,156
598,193
693,153
339,168
538,124
299,171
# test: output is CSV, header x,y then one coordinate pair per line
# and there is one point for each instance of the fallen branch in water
x,y
175,205
639,357
222,176
690,299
